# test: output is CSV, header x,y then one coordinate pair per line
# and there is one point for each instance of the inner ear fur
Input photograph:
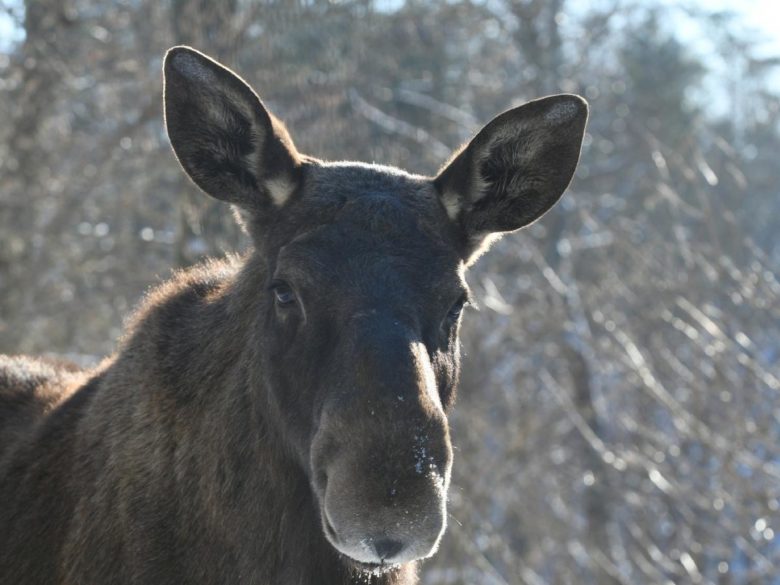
x,y
515,169
229,144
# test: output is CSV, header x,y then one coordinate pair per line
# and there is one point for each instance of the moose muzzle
x,y
381,457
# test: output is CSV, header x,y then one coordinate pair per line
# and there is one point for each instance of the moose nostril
x,y
387,548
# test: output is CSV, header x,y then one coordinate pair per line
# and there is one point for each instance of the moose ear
x,y
224,138
514,169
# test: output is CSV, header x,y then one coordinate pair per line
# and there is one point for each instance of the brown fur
x,y
279,417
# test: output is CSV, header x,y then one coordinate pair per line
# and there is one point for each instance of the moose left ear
x,y
225,139
514,169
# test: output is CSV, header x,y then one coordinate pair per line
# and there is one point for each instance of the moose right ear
x,y
514,170
224,138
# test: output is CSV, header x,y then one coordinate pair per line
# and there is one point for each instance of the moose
x,y
279,416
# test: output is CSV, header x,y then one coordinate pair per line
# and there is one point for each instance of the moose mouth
x,y
372,568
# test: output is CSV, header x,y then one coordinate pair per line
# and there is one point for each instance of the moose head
x,y
358,290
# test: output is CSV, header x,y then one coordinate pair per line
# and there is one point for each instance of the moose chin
x,y
279,416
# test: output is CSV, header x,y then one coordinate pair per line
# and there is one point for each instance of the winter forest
x,y
619,417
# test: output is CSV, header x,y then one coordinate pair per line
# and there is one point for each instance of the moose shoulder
x,y
280,417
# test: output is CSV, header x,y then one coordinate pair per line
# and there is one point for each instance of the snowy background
x,y
619,421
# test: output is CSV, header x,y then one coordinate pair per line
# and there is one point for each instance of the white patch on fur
x,y
280,189
451,203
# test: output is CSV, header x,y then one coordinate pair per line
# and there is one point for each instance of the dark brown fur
x,y
280,417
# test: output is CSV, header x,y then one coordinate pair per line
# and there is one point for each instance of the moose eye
x,y
454,313
283,294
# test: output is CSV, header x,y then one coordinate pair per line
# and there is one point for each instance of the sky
x,y
9,32
759,18
763,15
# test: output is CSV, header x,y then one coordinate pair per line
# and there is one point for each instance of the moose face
x,y
367,299
362,290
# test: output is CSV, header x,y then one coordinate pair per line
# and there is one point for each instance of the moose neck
x,y
200,335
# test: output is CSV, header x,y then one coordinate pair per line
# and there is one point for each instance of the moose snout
x,y
382,486
381,456
382,515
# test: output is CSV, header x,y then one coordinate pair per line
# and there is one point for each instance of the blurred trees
x,y
619,419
